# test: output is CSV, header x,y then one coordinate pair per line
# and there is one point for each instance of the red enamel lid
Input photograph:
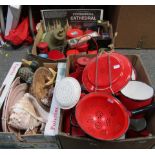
x,y
83,48
73,33
121,70
83,61
42,45
92,52
72,52
55,55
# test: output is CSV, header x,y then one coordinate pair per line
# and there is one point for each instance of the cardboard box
x,y
135,26
68,141
39,35
9,140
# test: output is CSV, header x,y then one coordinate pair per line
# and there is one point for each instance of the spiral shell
x,y
26,74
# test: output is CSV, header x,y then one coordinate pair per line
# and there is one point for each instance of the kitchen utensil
x,y
82,48
83,61
138,124
42,47
110,72
73,33
104,117
72,52
136,94
67,93
55,55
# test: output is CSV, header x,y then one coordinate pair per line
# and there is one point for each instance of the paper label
x,y
116,66
52,125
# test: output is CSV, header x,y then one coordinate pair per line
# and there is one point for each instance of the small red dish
x,y
55,55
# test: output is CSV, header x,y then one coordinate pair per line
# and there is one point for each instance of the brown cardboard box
x,y
9,140
39,35
135,26
68,141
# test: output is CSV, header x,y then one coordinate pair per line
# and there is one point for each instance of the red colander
x,y
104,117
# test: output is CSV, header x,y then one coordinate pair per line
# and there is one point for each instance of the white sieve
x,y
67,93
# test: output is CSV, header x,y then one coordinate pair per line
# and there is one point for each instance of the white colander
x,y
67,93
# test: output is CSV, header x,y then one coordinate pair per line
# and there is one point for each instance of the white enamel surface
x,y
137,90
67,93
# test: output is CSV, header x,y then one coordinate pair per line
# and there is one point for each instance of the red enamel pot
x,y
104,117
83,61
136,95
82,48
74,33
92,52
111,73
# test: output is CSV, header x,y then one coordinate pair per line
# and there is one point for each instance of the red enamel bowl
x,y
121,70
56,55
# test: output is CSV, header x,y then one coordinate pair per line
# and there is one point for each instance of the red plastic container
x,y
42,48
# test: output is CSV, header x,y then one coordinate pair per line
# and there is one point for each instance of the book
x,y
76,18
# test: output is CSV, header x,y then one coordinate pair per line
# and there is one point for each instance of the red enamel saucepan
x,y
104,117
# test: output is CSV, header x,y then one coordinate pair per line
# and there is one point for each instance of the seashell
x,y
25,74
43,80
24,116
17,91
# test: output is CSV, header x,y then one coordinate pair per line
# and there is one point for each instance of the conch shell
x,y
24,116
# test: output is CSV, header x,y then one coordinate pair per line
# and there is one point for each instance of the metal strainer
x,y
67,93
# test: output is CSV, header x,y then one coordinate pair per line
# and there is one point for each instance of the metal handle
x,y
143,110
